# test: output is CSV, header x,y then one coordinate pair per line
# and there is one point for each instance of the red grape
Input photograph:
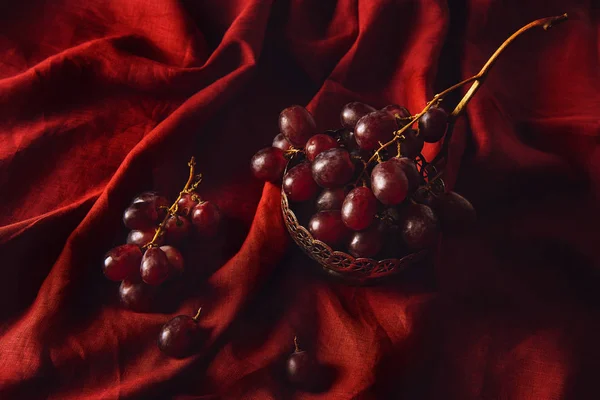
x,y
389,183
206,218
302,369
410,170
352,112
419,226
268,164
432,124
366,243
155,266
179,337
327,226
331,199
318,144
298,183
141,238
378,126
281,142
122,262
412,144
332,168
136,296
185,204
145,211
297,125
456,214
396,110
174,257
177,228
359,208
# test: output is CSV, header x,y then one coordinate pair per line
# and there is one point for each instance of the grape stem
x,y
477,81
297,348
191,185
197,316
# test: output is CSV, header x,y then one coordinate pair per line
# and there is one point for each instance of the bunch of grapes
x,y
371,191
151,255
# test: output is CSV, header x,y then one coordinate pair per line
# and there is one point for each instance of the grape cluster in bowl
x,y
151,255
368,188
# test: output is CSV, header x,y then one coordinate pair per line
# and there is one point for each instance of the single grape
x,y
359,208
318,144
122,262
281,142
410,170
346,139
456,214
412,145
389,182
145,211
327,226
186,203
155,266
432,124
174,257
298,183
159,203
396,110
301,369
177,228
331,199
180,337
419,226
373,128
297,125
136,296
332,168
268,164
206,218
143,237
366,243
352,112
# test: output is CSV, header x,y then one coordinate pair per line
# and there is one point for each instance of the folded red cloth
x,y
102,100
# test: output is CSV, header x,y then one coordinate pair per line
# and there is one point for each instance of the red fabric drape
x,y
100,100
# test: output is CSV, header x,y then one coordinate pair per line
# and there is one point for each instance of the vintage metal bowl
x,y
339,263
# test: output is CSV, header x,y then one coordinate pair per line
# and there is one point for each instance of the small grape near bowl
x,y
362,200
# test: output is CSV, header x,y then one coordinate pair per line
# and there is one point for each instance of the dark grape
x,y
206,218
318,144
352,112
359,208
419,226
268,164
346,139
396,110
302,369
122,262
174,257
145,214
281,142
432,125
155,266
455,213
177,228
389,183
180,337
297,125
378,126
412,145
332,168
410,170
331,199
136,296
298,183
143,237
186,203
327,226
366,243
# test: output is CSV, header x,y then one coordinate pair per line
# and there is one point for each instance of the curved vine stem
x,y
191,184
477,81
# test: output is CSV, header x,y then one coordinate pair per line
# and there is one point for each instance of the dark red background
x,y
100,100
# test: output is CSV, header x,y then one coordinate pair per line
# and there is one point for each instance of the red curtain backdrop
x,y
101,100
